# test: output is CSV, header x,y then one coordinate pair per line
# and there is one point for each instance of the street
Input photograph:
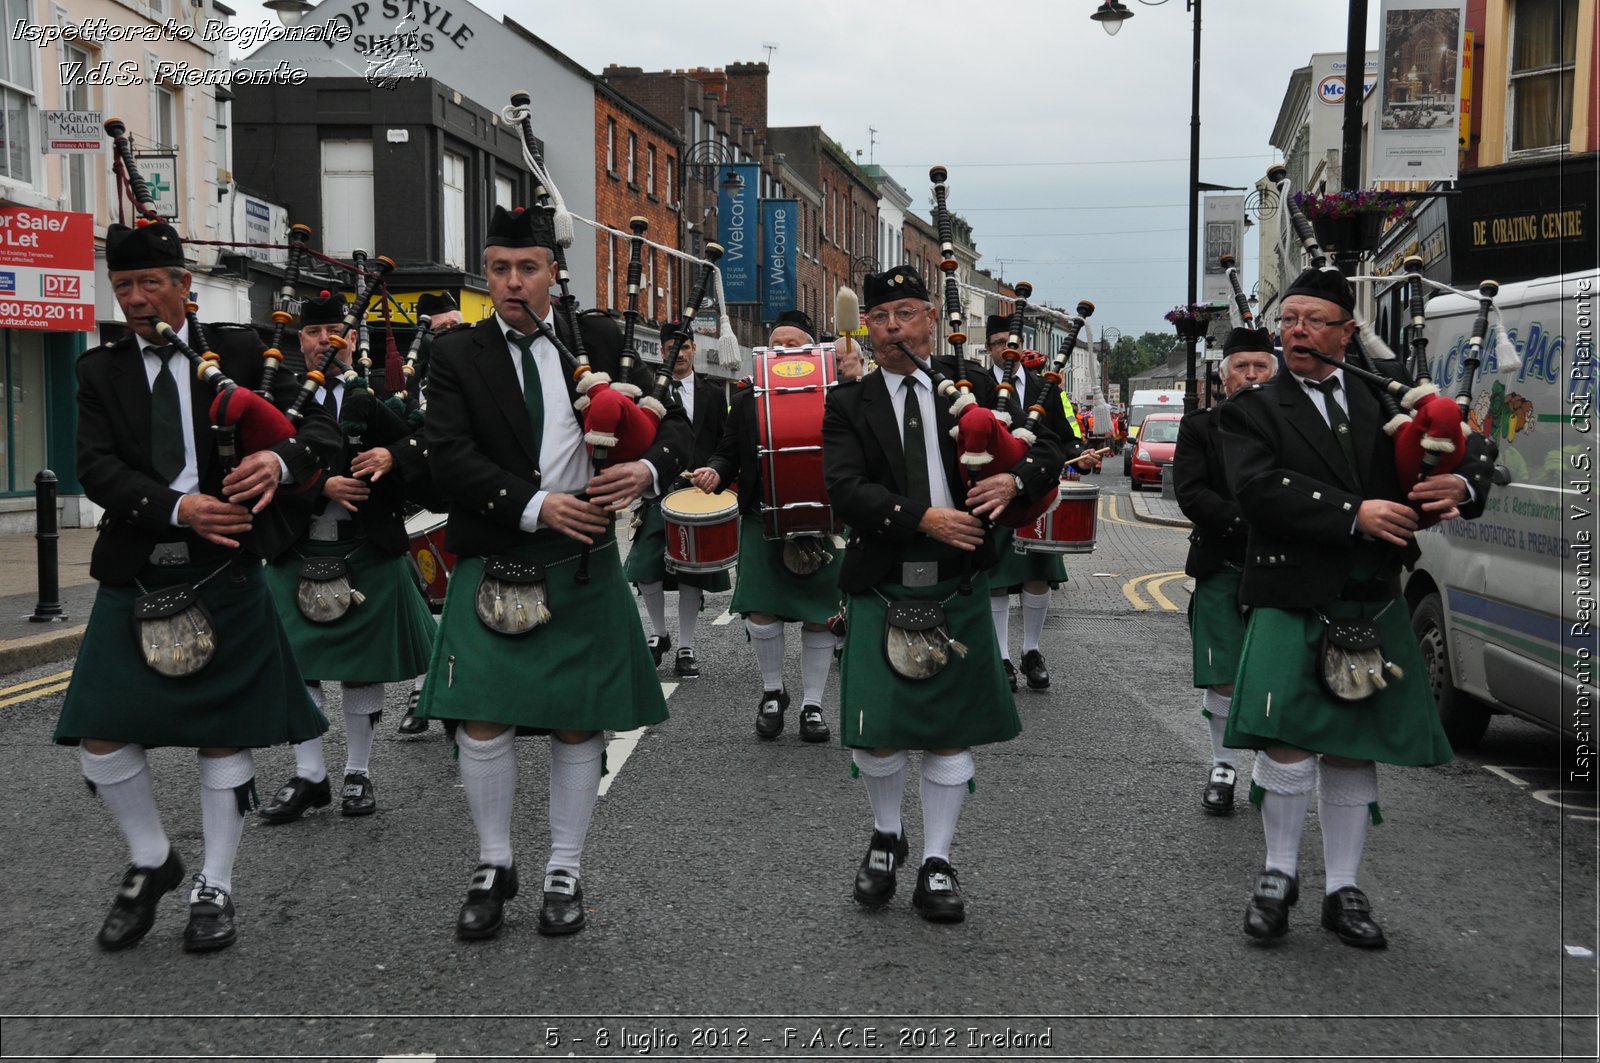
x,y
1104,907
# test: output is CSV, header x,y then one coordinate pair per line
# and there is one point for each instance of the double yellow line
x,y
35,688
1151,583
1109,512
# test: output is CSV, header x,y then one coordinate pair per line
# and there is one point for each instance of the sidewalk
x,y
1153,509
23,643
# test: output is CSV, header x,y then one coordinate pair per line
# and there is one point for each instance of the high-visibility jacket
x,y
1072,414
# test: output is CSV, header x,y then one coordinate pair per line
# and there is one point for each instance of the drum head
x,y
690,505
423,522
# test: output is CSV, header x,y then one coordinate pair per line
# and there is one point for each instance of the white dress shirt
x,y
938,486
563,459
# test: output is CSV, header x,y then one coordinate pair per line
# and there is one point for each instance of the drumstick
x,y
1100,453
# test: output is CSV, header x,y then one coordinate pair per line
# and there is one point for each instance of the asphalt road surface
x,y
1104,909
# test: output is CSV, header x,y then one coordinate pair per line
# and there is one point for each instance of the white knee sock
x,y
574,789
221,818
767,640
1283,808
361,707
1035,607
944,791
1000,612
816,657
655,605
1344,797
1217,707
689,599
489,777
121,778
886,784
309,763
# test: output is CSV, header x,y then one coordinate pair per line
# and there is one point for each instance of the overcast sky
x,y
1068,149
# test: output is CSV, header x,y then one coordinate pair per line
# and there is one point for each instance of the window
x,y
347,203
633,159
1544,39
650,170
504,192
23,446
648,283
75,97
672,179
825,202
18,105
455,211
672,270
611,271
165,126
611,146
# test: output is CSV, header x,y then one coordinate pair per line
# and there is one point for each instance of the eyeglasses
x,y
905,315
1312,323
993,344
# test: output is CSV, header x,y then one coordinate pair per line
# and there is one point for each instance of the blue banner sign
x,y
738,222
780,220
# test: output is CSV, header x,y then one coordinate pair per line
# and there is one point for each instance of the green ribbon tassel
x,y
855,772
972,785
1375,813
1257,794
605,767
245,794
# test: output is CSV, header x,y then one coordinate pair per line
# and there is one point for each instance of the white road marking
x,y
1506,775
622,745
724,619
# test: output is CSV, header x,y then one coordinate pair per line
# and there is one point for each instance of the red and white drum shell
x,y
431,562
1067,529
702,530
791,386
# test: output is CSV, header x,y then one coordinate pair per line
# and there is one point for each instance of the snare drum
x,y
431,562
702,530
1067,529
790,389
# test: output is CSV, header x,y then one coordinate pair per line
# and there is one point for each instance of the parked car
x,y
1158,438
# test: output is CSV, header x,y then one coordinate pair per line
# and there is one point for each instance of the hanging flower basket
x,y
1351,221
1190,321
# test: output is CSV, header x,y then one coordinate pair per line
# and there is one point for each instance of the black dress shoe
x,y
1267,914
812,726
133,911
1033,667
875,877
1011,673
659,645
483,912
562,911
1218,796
356,799
210,919
769,713
1348,913
297,795
410,725
685,665
938,895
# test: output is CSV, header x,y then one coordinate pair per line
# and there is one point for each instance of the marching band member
x,y
707,410
358,526
521,644
768,595
175,522
1216,553
1330,527
891,472
1031,576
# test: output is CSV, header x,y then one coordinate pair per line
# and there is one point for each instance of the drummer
x,y
707,410
769,595
1031,575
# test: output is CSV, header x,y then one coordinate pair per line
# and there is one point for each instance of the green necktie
x,y
1338,420
166,420
532,391
916,447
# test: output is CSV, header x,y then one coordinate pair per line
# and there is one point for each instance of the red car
x,y
1158,438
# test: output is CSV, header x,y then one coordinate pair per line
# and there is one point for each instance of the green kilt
x,y
1216,628
250,695
1277,699
1016,569
385,639
588,669
967,704
767,586
647,557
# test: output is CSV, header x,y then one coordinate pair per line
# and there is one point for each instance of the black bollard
x,y
49,607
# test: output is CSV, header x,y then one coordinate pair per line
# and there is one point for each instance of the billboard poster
x,y
46,270
1417,134
779,230
739,190
1223,234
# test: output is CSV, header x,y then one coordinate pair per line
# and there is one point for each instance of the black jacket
x,y
710,417
1200,478
1300,497
481,451
114,461
735,460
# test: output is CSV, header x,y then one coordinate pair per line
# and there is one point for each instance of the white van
x,y
1504,605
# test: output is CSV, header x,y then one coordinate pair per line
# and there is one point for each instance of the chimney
x,y
747,93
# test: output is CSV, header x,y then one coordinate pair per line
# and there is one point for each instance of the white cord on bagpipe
x,y
1505,352
727,342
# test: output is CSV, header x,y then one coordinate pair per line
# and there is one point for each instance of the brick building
x,y
847,221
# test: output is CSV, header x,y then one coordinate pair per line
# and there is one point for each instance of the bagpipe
x,y
242,419
1427,428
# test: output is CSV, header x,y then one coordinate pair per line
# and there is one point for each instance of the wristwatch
x,y
1018,481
